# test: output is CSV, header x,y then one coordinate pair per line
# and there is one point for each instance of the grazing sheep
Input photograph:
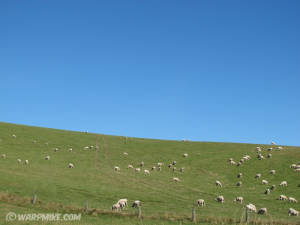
x,y
176,179
115,207
267,191
270,149
200,202
14,136
86,148
291,199
138,170
247,157
185,155
47,157
181,169
153,168
19,160
258,149
123,202
117,168
142,164
130,166
251,207
174,169
293,212
282,197
170,165
125,153
283,183
239,164
279,148
273,187
70,150
218,183
260,157
146,172
174,163
71,165
242,160
4,156
264,182
293,166
272,171
239,183
240,175
269,155
160,164
297,170
232,162
158,168
239,199
230,159
220,199
262,211
56,149
26,162
136,203
258,175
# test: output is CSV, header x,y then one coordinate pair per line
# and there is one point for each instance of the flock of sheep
x,y
122,203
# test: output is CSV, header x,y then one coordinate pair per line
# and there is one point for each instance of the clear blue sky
x,y
203,70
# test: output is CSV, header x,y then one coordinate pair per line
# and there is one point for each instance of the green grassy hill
x,y
62,189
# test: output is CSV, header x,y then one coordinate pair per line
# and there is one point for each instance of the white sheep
x,y
262,211
56,149
291,199
185,155
142,164
70,150
220,199
273,187
269,155
138,170
86,148
293,166
258,175
267,191
153,168
71,165
47,157
176,179
200,202
19,160
240,175
218,183
136,203
122,202
4,156
283,183
146,172
272,171
125,153
279,148
181,169
14,136
239,199
130,166
115,207
297,170
160,164
282,197
117,168
232,162
293,212
264,182
251,207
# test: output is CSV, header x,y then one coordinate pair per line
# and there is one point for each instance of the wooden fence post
x,y
140,212
34,197
86,206
247,215
194,215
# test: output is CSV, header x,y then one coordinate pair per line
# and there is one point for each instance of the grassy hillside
x,y
164,202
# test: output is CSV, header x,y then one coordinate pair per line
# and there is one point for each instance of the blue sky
x,y
226,71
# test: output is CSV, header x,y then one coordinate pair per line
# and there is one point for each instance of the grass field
x,y
61,189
